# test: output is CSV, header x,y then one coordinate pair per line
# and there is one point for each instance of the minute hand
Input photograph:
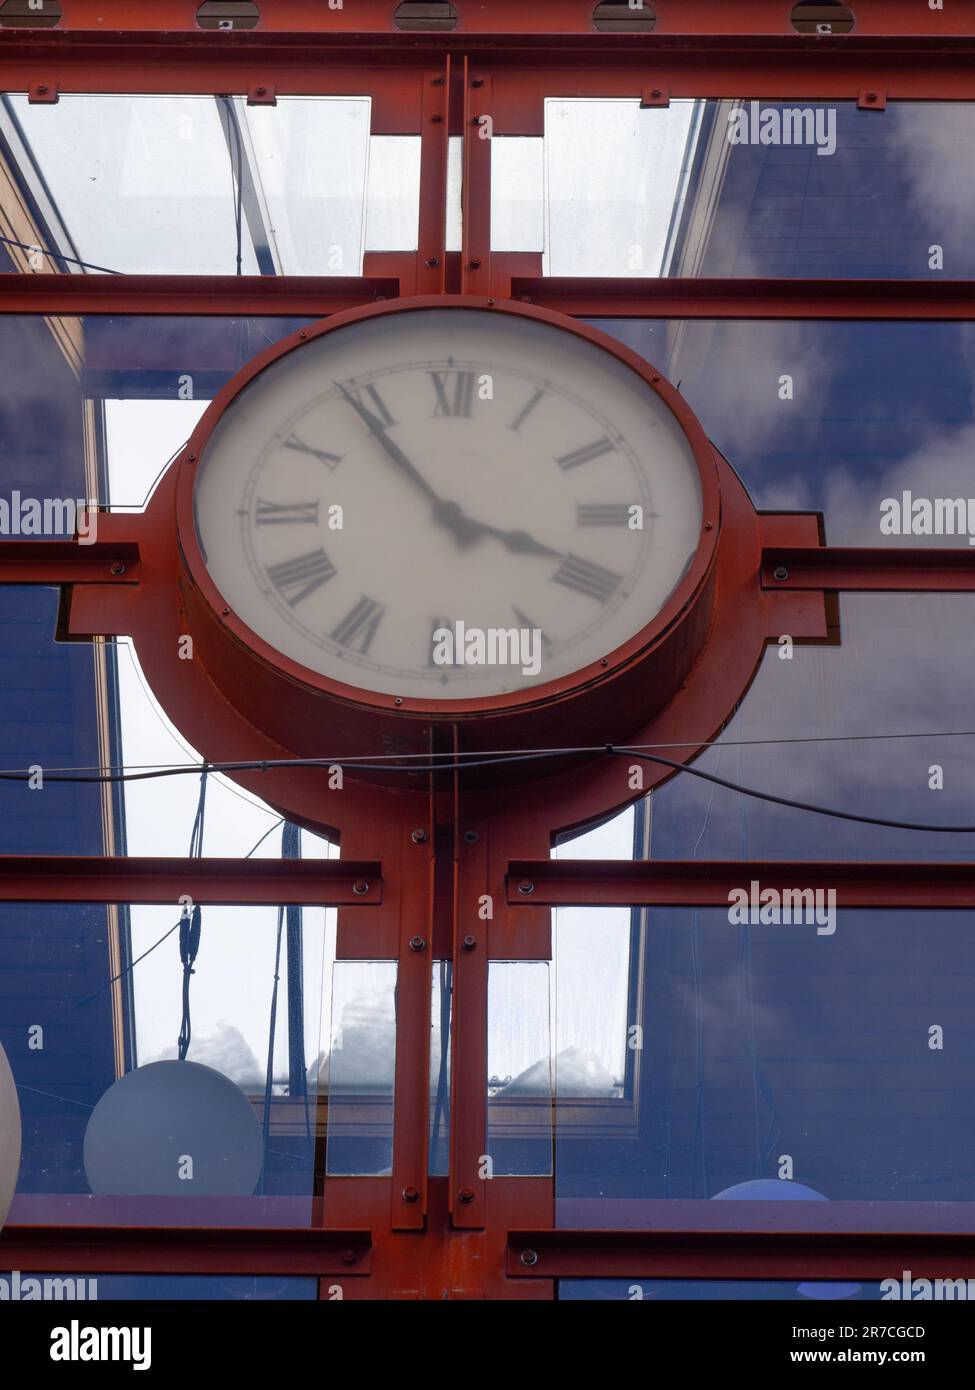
x,y
377,430
519,542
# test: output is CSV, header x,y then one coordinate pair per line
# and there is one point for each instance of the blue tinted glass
x,y
832,1049
103,1288
723,1290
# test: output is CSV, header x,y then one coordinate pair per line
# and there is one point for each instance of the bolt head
x,y
360,886
780,572
470,942
411,1194
529,1258
417,943
348,1257
117,567
525,888
419,837
466,1194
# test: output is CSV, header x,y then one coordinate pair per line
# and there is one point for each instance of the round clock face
x,y
447,503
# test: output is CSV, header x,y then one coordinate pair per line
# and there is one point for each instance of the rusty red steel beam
x,y
556,19
889,569
708,883
726,1254
185,1250
204,295
69,562
232,882
750,298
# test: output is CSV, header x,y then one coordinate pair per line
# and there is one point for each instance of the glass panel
x,y
105,1288
832,417
743,188
517,193
519,1069
205,185
362,1068
393,199
87,1001
440,1055
815,1054
722,1290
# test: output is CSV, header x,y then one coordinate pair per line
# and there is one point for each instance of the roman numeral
x,y
275,513
525,411
586,578
296,579
586,454
331,461
460,399
375,412
523,621
602,513
358,627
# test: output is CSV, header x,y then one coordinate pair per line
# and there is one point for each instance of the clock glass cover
x,y
447,471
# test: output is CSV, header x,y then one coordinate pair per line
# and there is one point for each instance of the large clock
x,y
446,507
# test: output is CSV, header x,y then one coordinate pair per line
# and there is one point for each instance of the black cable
x,y
787,801
57,255
353,765
190,925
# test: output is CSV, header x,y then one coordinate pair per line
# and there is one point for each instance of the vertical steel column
x,y
475,264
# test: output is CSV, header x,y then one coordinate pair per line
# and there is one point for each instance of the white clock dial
x,y
409,473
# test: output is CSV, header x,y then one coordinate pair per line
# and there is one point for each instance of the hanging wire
x,y
190,925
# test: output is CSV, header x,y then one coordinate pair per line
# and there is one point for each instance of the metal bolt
x,y
474,262
191,458
437,82
411,1194
397,701
490,303
42,88
436,119
655,92
529,1258
871,96
477,82
433,260
470,942
709,526
525,888
260,91
302,334
419,837
360,886
471,837
466,1194
780,572
226,612
117,567
604,661
417,943
348,1257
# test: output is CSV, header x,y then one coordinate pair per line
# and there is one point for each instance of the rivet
x,y
302,334
417,943
360,886
474,262
604,661
411,1194
477,82
470,942
780,572
525,888
348,1257
433,260
466,1194
397,701
117,567
191,458
436,119
709,526
471,837
419,837
529,1258
226,612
